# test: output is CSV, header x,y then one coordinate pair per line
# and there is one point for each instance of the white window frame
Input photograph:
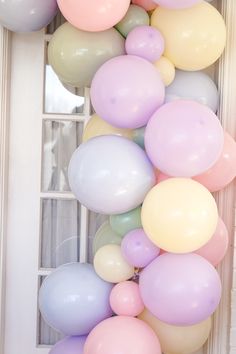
x,y
223,338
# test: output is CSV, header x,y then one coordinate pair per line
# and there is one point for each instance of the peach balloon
x,y
161,177
148,5
215,250
224,170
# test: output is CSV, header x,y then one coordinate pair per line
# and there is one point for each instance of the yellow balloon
x,y
110,265
179,215
194,37
178,340
97,126
166,69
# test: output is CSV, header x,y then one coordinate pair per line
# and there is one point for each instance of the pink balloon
x,y
93,15
126,91
162,177
123,335
145,42
215,250
148,5
125,299
184,138
176,4
224,170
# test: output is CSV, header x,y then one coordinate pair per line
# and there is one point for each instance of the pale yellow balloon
x,y
166,69
178,340
110,265
97,126
179,215
194,37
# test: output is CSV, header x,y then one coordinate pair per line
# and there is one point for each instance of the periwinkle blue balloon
x,y
27,15
110,174
69,345
195,86
73,299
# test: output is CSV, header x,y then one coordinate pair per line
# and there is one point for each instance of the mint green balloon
x,y
124,223
105,236
138,136
135,16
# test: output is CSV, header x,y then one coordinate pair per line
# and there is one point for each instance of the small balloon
x,y
69,345
123,223
105,236
173,4
135,16
148,5
166,70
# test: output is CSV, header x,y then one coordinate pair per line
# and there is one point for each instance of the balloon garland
x,y
150,158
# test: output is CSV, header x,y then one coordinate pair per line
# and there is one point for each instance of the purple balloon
x,y
146,42
137,249
181,290
126,91
27,15
184,138
69,345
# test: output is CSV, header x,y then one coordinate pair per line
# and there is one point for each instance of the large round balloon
x,y
123,335
178,339
93,15
27,15
123,223
179,4
105,235
179,215
110,174
73,299
195,86
183,138
189,45
69,345
76,55
180,290
126,91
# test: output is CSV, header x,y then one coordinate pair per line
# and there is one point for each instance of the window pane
x,y
95,221
60,139
60,228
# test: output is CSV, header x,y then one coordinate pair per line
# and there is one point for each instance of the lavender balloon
x,y
126,91
146,42
73,299
184,138
181,290
137,249
27,15
69,345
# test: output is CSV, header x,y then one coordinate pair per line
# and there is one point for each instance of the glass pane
x,y
60,139
95,221
60,227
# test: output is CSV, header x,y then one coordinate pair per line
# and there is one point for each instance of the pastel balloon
x,y
195,86
123,335
105,236
69,345
202,45
145,42
125,299
135,16
176,222
123,223
179,4
180,290
111,266
27,15
137,249
178,339
138,136
97,126
161,177
76,55
148,5
110,174
166,70
93,15
73,299
224,170
216,248
184,138
126,91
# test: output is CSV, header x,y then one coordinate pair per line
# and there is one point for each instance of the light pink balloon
x,y
148,5
125,299
224,170
122,335
176,4
215,250
161,177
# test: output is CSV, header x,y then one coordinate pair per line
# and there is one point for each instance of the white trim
x,y
5,61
